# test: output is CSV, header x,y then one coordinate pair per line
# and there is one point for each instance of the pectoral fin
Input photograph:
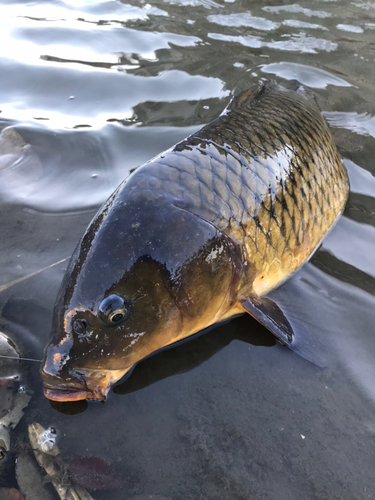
x,y
271,316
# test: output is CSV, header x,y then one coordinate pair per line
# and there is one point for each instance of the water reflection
x,y
350,28
296,8
32,170
361,208
298,42
302,43
307,75
362,237
295,23
243,19
360,123
208,4
361,180
71,172
343,271
71,104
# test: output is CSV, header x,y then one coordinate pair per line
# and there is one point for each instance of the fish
x,y
197,235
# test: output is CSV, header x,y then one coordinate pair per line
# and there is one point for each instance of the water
x,y
91,91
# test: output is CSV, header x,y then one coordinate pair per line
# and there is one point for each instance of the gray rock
x,y
30,480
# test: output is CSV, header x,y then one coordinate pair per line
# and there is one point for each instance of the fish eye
x,y
113,310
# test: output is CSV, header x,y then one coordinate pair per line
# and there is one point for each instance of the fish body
x,y
200,233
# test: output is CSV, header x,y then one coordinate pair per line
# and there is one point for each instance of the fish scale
x,y
260,183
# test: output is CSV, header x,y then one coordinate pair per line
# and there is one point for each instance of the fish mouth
x,y
65,394
75,385
94,385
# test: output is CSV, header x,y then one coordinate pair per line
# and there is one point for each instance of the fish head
x,y
93,345
135,284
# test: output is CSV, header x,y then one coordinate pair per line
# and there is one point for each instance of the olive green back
x,y
266,173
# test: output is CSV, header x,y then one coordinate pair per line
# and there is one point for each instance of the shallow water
x,y
93,90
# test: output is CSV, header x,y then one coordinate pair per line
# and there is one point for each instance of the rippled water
x,y
89,91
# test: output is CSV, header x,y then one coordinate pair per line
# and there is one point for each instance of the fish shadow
x,y
186,355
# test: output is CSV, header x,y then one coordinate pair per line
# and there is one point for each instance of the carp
x,y
200,233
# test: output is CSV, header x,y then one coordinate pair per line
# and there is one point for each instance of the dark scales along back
x,y
266,173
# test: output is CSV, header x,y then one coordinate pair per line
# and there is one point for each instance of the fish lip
x,y
64,394
81,384
75,388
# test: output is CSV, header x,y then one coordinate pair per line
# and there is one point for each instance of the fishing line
x,y
20,359
19,280
15,282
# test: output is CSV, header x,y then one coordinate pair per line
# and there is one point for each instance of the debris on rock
x,y
29,479
46,453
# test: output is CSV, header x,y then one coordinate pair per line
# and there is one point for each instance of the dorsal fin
x,y
241,98
312,97
244,98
